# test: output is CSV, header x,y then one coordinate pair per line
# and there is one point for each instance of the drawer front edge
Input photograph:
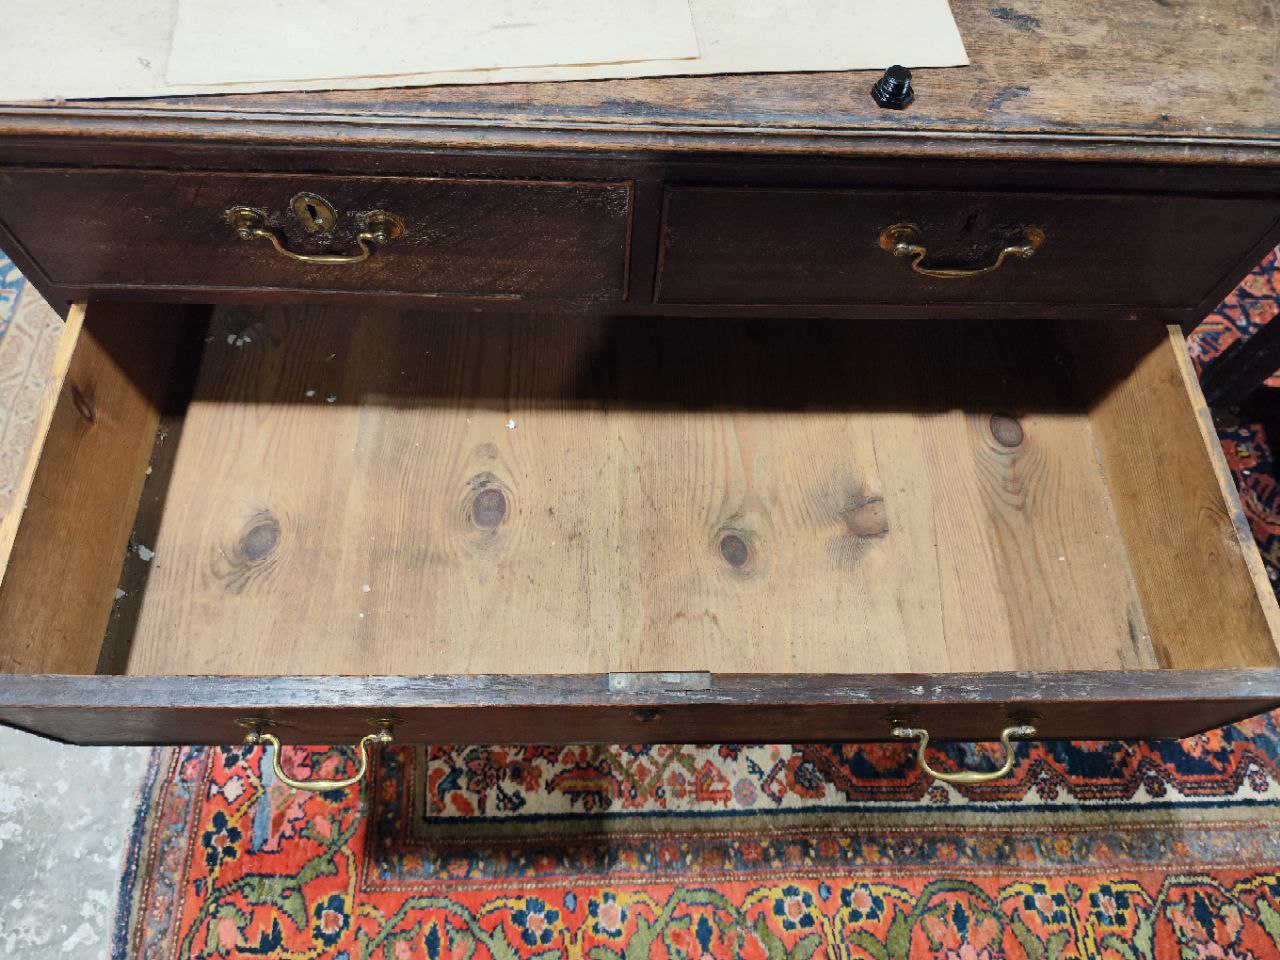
x,y
581,708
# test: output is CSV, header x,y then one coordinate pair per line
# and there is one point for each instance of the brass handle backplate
x,y
257,736
906,240
921,736
380,228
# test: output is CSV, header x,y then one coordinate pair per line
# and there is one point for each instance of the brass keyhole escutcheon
x,y
314,212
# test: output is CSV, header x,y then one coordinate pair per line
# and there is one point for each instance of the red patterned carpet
x,y
1088,850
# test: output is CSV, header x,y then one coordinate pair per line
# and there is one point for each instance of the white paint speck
x,y
311,393
145,553
238,339
121,594
1061,557
511,424
331,398
365,588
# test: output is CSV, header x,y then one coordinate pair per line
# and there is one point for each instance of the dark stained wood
x,y
162,236
724,245
760,708
487,238
1184,81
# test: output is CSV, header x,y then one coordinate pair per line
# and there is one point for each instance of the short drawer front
x,y
105,230
805,246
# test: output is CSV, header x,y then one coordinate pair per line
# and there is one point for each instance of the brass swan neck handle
x,y
907,240
380,228
921,736
258,736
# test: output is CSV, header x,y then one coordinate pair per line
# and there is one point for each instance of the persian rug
x,y
1110,850
29,330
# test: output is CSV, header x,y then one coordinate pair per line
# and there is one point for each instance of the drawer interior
x,y
346,491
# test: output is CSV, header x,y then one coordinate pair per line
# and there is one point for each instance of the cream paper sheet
x,y
233,41
66,49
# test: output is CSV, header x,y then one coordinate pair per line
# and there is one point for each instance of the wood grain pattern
x,y
1175,502
505,239
1188,80
57,590
560,494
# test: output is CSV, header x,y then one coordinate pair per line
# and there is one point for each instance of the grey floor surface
x,y
65,815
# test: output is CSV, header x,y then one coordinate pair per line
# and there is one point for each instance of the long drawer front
x,y
507,239
666,708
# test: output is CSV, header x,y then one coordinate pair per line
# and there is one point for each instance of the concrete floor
x,y
65,815
65,812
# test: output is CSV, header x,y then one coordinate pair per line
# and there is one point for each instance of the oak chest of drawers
x,y
686,409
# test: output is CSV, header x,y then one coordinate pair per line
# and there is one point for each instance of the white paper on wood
x,y
776,36
61,49
103,48
233,41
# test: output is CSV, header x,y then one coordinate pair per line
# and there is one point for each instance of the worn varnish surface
x,y
505,239
548,494
761,245
1205,69
741,708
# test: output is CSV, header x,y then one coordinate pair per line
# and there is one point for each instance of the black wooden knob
x,y
893,91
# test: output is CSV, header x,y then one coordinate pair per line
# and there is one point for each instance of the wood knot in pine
x,y
253,552
736,550
260,539
869,519
489,508
486,507
83,404
1006,430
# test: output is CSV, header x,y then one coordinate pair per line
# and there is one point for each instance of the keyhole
x,y
313,212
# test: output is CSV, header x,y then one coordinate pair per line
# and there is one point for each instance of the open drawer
x,y
554,528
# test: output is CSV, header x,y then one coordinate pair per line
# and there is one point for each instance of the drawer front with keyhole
x,y
727,245
466,237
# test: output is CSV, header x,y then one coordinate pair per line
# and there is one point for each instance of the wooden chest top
x,y
1177,80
